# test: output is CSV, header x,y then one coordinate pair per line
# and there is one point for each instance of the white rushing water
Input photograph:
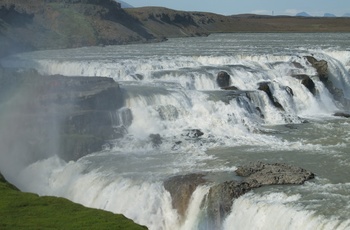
x,y
170,89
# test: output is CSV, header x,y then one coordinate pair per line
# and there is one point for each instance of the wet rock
x,y
156,140
342,114
264,86
321,67
309,84
193,133
289,91
223,79
220,198
232,87
181,189
168,112
273,174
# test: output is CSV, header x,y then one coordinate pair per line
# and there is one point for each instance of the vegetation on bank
x,y
20,210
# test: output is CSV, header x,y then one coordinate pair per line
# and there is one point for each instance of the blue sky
x,y
228,7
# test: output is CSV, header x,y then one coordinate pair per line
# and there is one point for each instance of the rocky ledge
x,y
220,197
47,115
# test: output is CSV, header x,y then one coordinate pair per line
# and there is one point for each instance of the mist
x,y
29,127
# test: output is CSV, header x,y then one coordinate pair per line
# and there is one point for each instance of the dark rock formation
x,y
221,196
223,79
193,133
342,114
309,84
156,140
232,87
289,91
320,66
67,116
181,189
264,86
219,200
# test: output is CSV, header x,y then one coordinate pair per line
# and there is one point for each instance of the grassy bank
x,y
20,210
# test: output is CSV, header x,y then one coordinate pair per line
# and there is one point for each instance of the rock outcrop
x,y
321,67
223,79
67,116
221,196
181,189
264,86
307,82
342,114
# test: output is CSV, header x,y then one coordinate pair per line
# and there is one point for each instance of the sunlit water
x,y
170,88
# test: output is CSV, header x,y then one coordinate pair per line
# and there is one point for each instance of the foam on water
x,y
276,211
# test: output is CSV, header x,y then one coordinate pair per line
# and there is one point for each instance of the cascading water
x,y
176,121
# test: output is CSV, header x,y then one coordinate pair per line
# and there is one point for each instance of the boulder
x,y
156,140
321,67
223,79
181,189
307,82
264,86
193,133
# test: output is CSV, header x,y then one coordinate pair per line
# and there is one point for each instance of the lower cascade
x,y
231,131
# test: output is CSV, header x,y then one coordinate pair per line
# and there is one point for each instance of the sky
x,y
268,7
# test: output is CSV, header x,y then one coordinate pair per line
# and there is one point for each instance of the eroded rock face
x,y
307,82
181,189
220,198
273,174
321,67
67,116
264,86
218,202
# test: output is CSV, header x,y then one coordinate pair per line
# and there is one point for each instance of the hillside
x,y
55,24
171,23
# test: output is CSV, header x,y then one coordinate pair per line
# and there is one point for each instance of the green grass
x,y
20,210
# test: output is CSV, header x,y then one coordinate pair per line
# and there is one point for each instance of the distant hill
x,y
346,15
303,14
124,4
328,15
56,24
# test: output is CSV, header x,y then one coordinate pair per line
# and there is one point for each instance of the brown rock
x,y
181,189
